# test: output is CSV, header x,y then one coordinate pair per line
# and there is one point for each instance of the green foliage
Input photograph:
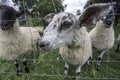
x,y
37,21
41,8
46,7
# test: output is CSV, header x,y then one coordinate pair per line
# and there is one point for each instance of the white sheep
x,y
79,52
102,35
118,45
32,33
15,40
68,32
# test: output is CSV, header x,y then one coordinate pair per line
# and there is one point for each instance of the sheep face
x,y
109,19
7,17
60,31
63,26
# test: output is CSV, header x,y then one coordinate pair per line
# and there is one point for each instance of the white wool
x,y
80,50
101,37
16,41
31,32
39,29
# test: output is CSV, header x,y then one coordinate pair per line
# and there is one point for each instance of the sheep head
x,y
8,14
7,17
63,26
109,19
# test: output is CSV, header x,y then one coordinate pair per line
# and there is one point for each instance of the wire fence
x,y
50,64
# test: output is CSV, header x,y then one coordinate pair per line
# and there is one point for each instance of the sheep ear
x,y
94,13
48,18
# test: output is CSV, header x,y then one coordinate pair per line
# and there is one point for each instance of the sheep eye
x,y
67,24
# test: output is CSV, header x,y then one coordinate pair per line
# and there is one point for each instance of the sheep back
x,y
13,44
17,41
32,33
101,37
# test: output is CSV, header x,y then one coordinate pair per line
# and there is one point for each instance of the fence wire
x,y
50,64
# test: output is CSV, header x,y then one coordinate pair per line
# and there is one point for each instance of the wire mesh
x,y
50,66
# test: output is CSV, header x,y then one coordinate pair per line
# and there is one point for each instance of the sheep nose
x,y
109,22
43,44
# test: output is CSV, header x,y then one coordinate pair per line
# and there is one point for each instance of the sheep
x,y
40,30
118,45
15,41
32,33
102,36
68,32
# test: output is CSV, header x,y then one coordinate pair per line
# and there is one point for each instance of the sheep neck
x,y
78,39
101,27
15,28
16,25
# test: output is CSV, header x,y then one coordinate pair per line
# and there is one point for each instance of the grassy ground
x,y
49,66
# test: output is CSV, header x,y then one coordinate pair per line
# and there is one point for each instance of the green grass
x,y
49,66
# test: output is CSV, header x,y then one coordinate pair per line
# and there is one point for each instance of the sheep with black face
x,y
68,32
15,41
102,35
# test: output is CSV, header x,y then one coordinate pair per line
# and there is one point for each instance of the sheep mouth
x,y
47,48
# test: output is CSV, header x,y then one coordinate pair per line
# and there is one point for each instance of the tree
x,y
78,12
41,8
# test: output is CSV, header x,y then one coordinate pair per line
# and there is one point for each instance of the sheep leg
x,y
78,70
17,67
66,69
25,65
99,60
118,46
88,62
37,45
